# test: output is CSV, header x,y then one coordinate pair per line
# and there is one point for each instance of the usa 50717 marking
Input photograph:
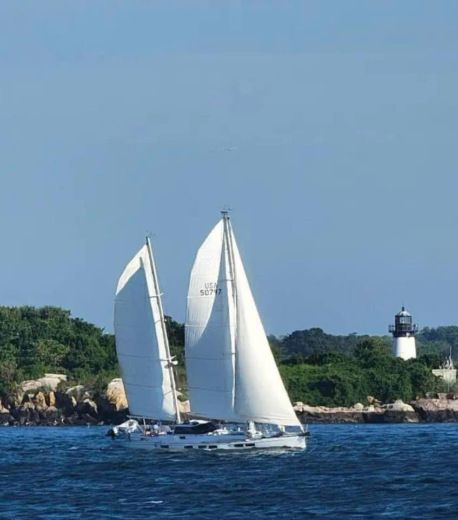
x,y
210,288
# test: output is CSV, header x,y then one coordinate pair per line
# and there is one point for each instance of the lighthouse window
x,y
404,319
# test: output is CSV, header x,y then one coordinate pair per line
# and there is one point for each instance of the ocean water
x,y
348,471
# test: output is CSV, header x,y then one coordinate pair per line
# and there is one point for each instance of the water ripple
x,y
348,471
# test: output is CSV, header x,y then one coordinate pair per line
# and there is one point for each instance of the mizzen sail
x,y
141,341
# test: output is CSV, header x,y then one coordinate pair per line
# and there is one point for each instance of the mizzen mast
x,y
170,362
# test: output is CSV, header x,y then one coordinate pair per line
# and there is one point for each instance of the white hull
x,y
204,442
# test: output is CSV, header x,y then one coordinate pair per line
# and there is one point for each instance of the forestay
x,y
140,342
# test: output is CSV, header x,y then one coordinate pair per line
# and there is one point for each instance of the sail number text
x,y
209,289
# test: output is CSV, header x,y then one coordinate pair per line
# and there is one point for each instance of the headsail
x,y
260,394
141,341
231,372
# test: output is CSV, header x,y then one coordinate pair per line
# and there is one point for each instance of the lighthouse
x,y
403,332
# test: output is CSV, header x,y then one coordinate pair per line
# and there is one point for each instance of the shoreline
x,y
45,402
438,409
103,413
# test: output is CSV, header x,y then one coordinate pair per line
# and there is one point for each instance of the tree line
x,y
317,368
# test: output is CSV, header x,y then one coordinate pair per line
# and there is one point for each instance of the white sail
x,y
231,372
209,332
260,394
141,343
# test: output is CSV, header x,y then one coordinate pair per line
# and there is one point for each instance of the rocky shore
x,y
437,408
49,401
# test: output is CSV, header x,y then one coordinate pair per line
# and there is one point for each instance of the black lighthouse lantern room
x,y
403,326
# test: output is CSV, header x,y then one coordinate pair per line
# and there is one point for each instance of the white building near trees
x,y
404,332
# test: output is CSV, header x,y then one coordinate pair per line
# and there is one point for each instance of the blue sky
x,y
330,129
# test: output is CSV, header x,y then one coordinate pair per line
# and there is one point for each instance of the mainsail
x,y
232,374
141,341
209,336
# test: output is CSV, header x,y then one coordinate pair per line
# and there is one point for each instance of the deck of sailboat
x,y
231,442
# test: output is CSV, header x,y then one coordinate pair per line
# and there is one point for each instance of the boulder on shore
x,y
87,408
77,392
65,402
3,409
399,406
40,400
116,395
442,409
48,382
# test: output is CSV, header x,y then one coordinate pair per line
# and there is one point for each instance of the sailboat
x,y
238,400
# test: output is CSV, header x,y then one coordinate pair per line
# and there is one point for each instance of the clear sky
x,y
330,128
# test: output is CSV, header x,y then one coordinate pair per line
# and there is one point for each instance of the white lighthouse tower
x,y
403,332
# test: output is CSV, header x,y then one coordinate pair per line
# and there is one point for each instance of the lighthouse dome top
x,y
403,326
403,312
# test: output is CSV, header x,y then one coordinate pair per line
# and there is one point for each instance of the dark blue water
x,y
348,471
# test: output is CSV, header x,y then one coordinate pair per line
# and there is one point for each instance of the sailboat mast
x,y
230,249
164,329
227,234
